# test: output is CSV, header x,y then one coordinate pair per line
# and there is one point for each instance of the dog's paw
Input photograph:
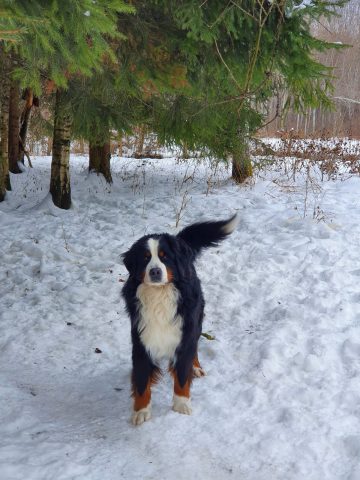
x,y
141,416
199,372
182,405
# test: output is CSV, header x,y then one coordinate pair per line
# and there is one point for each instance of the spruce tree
x,y
204,72
66,39
198,74
117,98
235,54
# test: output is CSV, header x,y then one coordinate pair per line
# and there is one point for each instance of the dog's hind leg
x,y
198,371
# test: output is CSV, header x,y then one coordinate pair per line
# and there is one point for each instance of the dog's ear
x,y
128,260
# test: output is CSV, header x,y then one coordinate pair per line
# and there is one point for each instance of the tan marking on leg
x,y
181,399
142,401
198,371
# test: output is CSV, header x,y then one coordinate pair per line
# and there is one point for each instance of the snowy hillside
x,y
281,400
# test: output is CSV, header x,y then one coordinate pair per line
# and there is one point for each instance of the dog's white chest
x,y
160,327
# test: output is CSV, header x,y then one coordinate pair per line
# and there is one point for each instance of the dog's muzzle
x,y
155,275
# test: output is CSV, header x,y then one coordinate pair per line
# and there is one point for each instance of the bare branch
x,y
349,100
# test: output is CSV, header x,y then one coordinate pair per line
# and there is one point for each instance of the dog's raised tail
x,y
208,234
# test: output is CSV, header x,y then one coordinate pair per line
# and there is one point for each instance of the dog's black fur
x,y
180,253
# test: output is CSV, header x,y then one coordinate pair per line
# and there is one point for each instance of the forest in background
x,y
199,77
342,120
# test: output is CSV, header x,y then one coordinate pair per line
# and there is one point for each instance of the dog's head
x,y
161,259
158,259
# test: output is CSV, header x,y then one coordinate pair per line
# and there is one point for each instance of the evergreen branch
x,y
243,96
276,115
243,10
203,3
221,15
255,55
227,67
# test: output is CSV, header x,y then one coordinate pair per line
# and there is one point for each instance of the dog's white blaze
x,y
160,327
155,262
230,226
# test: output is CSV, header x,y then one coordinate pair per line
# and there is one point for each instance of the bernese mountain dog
x,y
165,303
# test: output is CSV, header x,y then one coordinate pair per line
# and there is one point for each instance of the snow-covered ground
x,y
282,396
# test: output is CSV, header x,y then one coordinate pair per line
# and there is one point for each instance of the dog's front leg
x,y
142,405
182,373
144,375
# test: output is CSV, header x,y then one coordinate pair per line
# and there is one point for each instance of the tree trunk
x,y
140,142
81,146
99,159
4,126
241,164
60,174
120,146
25,118
185,153
48,146
14,126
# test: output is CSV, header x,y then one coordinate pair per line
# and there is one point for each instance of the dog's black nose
x,y
155,274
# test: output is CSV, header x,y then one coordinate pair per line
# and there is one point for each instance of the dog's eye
x,y
147,255
162,254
